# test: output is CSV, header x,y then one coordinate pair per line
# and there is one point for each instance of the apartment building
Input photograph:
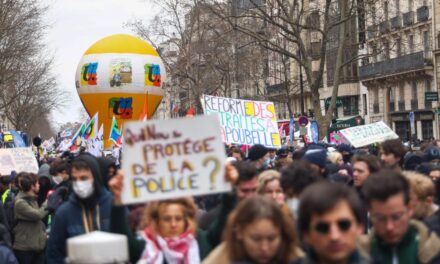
x,y
398,71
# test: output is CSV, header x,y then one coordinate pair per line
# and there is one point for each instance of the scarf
x,y
405,251
159,250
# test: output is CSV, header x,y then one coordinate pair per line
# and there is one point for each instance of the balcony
x,y
410,62
376,108
422,14
414,104
408,18
372,31
396,22
384,27
401,106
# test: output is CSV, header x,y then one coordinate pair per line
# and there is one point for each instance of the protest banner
x,y
18,159
360,136
243,121
172,158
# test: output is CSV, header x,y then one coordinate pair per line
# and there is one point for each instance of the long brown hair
x,y
150,216
257,208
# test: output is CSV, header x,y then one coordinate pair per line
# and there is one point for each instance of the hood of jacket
x,y
43,172
428,243
104,165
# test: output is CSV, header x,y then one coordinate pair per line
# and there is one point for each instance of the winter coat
x,y
119,225
6,255
68,222
428,244
29,232
433,222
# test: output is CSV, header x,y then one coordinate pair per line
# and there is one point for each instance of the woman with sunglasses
x,y
257,232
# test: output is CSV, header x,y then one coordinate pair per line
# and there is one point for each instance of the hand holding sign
x,y
173,158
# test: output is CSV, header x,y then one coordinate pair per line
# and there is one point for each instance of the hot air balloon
x,y
120,76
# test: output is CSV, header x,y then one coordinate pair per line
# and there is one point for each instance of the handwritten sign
x,y
245,122
172,158
360,136
18,159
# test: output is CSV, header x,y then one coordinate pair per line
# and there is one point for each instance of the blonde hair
x,y
421,185
265,177
150,216
334,156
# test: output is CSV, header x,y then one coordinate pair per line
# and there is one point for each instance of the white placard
x,y
360,136
18,159
172,158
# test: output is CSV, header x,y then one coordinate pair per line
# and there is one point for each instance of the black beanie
x,y
257,152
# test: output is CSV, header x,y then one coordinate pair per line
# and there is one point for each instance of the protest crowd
x,y
316,204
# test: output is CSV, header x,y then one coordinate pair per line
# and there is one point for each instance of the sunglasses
x,y
324,227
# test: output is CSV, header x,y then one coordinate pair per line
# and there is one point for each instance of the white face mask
x,y
57,179
83,189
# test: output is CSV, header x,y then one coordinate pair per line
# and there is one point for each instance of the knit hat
x,y
257,152
344,147
316,156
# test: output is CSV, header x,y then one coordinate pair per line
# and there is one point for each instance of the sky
x,y
74,26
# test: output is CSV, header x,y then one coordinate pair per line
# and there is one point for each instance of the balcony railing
x,y
408,18
384,27
414,104
396,22
410,62
422,14
376,108
401,106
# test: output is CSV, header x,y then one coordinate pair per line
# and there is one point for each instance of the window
x,y
402,130
374,54
397,7
426,41
386,54
376,96
398,48
427,131
411,43
414,90
428,85
350,105
385,10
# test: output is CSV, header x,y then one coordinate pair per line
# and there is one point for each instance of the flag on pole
x,y
76,140
91,129
191,112
115,133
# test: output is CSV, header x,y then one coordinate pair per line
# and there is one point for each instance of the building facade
x,y
399,69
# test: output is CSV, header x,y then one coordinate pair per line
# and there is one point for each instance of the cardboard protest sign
x,y
360,136
172,158
245,122
18,159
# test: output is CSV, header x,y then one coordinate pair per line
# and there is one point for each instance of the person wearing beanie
x,y
258,156
317,157
87,209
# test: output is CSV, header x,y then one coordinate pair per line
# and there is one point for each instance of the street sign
x,y
431,96
303,121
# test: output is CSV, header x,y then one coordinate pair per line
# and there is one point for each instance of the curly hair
x,y
150,216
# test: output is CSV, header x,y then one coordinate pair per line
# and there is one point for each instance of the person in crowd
x,y
236,153
60,170
336,158
392,153
338,170
258,232
29,231
271,157
269,184
45,182
346,152
363,167
245,187
330,223
395,237
294,180
108,169
318,159
6,254
258,156
87,209
422,193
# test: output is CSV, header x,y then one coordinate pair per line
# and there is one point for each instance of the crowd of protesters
x,y
317,204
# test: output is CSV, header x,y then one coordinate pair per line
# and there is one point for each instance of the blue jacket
x,y
68,222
